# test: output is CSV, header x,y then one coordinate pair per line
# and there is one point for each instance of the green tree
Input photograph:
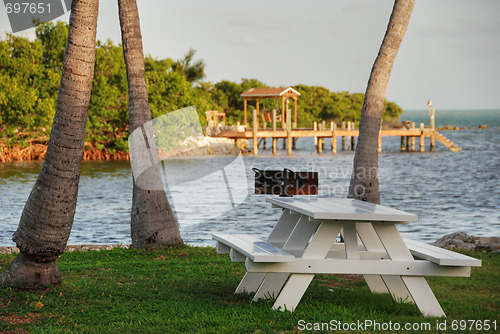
x,y
315,103
170,90
192,70
54,38
391,112
27,87
226,95
48,214
108,116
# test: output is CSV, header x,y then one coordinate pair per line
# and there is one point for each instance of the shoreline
x,y
71,248
37,151
452,241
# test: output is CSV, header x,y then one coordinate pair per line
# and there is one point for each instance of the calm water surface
x,y
449,191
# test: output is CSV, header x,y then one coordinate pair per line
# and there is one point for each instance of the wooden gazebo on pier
x,y
258,94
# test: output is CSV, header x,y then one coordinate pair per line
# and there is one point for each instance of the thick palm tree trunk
x,y
364,182
153,223
48,214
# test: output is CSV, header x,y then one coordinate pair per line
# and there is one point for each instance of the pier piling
x,y
422,138
289,129
334,138
343,137
315,128
321,132
275,140
255,128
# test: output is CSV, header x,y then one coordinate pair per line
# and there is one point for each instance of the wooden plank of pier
x,y
322,133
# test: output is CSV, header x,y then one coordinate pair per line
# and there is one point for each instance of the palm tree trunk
x,y
48,214
364,182
153,223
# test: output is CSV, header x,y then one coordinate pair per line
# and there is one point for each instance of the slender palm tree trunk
x,y
153,223
364,182
48,214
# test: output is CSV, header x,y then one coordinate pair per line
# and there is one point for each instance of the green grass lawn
x,y
190,290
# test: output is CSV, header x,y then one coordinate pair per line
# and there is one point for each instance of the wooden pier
x,y
322,133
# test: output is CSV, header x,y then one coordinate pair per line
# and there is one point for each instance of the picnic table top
x,y
342,209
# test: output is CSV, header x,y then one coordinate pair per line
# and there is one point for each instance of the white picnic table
x,y
305,242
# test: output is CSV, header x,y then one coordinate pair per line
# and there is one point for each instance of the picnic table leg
x,y
297,240
302,232
297,284
417,286
350,241
284,227
397,289
423,296
381,284
292,292
280,233
350,233
271,285
376,283
250,282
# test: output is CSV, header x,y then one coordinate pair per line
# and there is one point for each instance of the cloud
x,y
254,22
246,39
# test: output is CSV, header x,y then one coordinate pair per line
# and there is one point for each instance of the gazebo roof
x,y
269,92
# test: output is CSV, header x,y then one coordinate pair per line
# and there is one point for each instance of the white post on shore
x,y
432,115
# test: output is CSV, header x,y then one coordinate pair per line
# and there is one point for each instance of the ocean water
x,y
449,191
462,118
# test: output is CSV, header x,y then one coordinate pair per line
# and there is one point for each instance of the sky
x,y
450,53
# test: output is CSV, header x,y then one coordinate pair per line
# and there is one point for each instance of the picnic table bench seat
x,y
438,255
242,246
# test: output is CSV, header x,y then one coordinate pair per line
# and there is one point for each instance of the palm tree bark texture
x,y
364,182
153,223
48,214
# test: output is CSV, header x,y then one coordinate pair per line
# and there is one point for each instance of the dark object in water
x,y
285,182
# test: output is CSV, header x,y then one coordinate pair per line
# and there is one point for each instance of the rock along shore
x,y
453,241
463,241
71,248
